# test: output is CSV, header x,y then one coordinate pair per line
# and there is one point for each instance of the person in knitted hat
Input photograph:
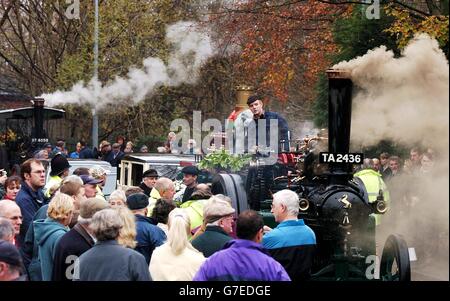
x,y
149,236
218,216
59,169
77,241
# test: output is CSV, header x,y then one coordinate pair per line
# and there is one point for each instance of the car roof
x,y
75,163
160,158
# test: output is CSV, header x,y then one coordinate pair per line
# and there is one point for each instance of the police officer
x,y
59,170
373,183
256,106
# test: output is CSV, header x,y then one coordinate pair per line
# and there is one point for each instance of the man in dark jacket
x,y
75,242
30,197
291,243
148,236
149,178
115,156
243,259
85,152
218,217
256,106
107,260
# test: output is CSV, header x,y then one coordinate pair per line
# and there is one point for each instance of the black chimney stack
x,y
38,138
339,121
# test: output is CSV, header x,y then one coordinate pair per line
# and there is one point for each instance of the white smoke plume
x,y
406,100
190,49
403,99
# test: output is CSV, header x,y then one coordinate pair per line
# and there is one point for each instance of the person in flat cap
x,y
99,173
256,106
59,169
149,178
218,217
77,241
149,236
90,186
190,174
11,266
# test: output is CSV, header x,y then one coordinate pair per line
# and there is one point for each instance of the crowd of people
x,y
65,230
106,151
406,186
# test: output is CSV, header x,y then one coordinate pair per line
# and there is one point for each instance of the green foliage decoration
x,y
223,160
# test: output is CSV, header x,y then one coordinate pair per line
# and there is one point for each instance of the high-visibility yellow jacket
x,y
194,209
52,182
154,196
373,183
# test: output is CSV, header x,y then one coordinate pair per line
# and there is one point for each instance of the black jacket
x,y
211,241
146,189
114,160
73,243
86,153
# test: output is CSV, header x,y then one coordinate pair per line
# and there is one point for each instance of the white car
x,y
111,172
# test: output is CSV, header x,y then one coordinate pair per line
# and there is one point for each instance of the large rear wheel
x,y
232,186
395,264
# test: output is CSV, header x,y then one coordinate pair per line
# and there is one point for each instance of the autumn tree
x,y
281,45
354,35
429,17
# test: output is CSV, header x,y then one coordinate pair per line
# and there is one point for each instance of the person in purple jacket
x,y
243,259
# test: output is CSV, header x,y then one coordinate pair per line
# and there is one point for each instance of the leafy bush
x,y
223,160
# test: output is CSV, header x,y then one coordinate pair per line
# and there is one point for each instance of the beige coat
x,y
166,266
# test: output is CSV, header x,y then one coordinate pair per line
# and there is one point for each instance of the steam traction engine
x,y
334,205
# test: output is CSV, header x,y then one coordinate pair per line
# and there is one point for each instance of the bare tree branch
x,y
5,14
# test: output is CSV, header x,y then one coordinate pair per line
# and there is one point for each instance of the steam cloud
x,y
190,49
406,100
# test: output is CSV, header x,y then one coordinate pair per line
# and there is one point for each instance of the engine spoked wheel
x,y
395,264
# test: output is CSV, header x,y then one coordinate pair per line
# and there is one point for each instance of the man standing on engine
x,y
256,106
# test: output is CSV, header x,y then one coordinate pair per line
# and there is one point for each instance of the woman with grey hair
x,y
107,260
117,199
77,241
